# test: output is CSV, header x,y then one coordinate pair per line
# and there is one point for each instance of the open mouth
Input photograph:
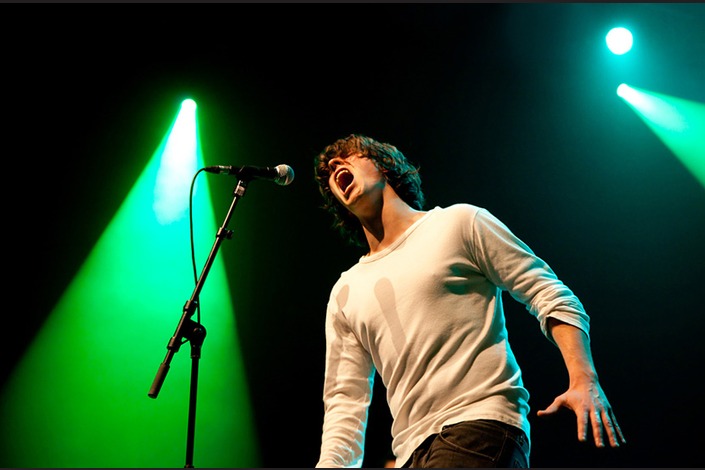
x,y
343,179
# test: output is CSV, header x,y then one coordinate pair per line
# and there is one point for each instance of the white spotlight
x,y
619,40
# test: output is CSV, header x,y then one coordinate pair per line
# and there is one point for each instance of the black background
x,y
508,106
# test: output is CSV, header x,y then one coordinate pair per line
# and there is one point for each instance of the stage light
x,y
619,40
78,397
677,122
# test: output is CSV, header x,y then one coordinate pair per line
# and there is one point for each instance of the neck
x,y
389,222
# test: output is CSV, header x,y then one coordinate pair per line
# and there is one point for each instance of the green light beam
x,y
78,398
679,123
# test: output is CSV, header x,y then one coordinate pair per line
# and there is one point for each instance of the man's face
x,y
354,180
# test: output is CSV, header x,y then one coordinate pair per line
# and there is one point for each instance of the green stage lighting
x,y
78,398
679,123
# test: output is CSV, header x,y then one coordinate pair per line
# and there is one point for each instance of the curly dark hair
x,y
403,177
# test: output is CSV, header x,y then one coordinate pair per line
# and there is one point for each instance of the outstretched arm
x,y
584,395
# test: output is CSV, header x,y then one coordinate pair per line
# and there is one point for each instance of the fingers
x,y
614,432
597,428
603,420
620,435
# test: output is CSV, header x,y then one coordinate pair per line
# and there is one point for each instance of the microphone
x,y
280,174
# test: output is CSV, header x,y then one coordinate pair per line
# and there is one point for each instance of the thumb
x,y
551,409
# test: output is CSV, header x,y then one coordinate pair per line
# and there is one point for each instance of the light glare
x,y
619,40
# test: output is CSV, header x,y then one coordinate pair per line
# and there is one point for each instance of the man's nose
x,y
335,163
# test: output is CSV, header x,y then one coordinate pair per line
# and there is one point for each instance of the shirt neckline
x,y
398,241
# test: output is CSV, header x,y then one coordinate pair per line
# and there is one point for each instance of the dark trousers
x,y
480,443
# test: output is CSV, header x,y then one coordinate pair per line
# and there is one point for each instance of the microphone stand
x,y
194,332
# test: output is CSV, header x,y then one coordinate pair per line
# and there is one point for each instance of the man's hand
x,y
584,395
592,410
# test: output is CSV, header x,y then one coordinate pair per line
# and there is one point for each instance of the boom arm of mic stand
x,y
187,327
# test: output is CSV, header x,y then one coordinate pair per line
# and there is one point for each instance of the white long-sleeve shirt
x,y
426,312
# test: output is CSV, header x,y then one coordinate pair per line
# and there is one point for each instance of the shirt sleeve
x,y
511,265
347,394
